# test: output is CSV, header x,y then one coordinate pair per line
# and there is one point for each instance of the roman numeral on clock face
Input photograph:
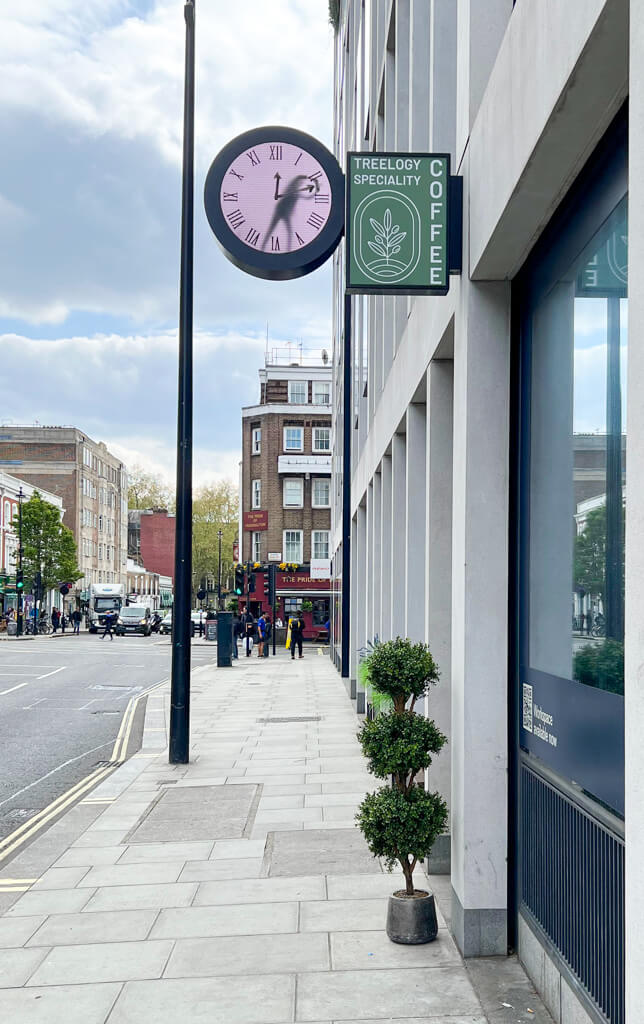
x,y
275,243
240,177
236,218
254,159
314,177
252,238
300,240
276,153
231,197
315,221
322,197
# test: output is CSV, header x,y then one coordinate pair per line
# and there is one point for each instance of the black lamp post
x,y
19,579
179,752
219,535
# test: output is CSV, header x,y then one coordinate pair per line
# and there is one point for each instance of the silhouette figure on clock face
x,y
286,202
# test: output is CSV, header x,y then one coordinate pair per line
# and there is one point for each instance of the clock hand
x,y
277,185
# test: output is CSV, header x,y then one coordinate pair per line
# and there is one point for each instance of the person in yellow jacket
x,y
288,634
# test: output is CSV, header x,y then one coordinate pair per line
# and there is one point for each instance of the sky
x,y
91,118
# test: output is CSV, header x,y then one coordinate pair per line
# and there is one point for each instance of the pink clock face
x,y
275,197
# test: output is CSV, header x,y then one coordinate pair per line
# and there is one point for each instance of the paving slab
x,y
260,890
361,995
248,955
373,950
132,874
146,853
106,926
104,961
266,999
79,856
65,1004
343,915
333,851
59,901
16,931
209,870
60,878
103,837
227,849
248,919
216,812
141,897
17,966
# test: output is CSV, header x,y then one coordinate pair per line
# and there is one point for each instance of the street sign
x,y
398,223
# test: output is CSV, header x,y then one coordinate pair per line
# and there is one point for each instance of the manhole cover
x,y
296,718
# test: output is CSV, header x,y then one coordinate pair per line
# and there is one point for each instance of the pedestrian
x,y
249,632
55,619
297,631
63,622
109,622
76,620
261,635
589,621
267,633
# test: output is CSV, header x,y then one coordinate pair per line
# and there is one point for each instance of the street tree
x,y
215,507
147,491
48,546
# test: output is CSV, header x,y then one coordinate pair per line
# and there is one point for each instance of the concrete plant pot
x,y
411,920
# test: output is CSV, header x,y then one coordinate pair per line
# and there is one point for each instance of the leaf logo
x,y
386,236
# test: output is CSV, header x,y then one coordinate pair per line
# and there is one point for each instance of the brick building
x,y
92,484
151,539
285,499
10,487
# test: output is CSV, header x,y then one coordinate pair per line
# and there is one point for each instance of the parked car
x,y
134,618
166,624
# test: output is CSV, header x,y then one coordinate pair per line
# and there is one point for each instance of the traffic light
x,y
37,588
251,583
64,589
271,584
19,580
239,580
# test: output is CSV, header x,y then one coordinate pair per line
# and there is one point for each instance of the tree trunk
x,y
409,876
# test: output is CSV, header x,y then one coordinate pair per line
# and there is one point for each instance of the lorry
x,y
103,597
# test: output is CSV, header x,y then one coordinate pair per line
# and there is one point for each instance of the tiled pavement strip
x,y
281,922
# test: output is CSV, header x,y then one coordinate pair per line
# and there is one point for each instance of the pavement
x,y
235,889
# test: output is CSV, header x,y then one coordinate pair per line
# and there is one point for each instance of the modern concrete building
x,y
92,484
479,424
285,499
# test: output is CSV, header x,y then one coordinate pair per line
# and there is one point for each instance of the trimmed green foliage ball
x,y
401,670
400,744
397,826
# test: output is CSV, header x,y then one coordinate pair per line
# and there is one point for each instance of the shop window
x,y
321,611
292,606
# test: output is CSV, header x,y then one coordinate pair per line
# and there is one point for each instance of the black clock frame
x,y
268,265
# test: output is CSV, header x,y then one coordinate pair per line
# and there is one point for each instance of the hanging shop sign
x,y
274,198
403,223
256,520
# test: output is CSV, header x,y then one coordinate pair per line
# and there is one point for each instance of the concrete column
x,y
353,630
368,577
416,524
419,55
359,605
634,639
386,522
443,76
376,558
479,619
398,531
438,577
481,27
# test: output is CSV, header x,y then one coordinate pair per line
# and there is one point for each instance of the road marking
x,y
24,832
123,737
53,673
12,688
42,778
18,673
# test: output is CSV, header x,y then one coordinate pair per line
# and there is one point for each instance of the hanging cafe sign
x,y
275,200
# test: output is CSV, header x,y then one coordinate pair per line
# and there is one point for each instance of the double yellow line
x,y
75,792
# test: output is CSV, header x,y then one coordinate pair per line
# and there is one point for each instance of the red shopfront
x,y
295,591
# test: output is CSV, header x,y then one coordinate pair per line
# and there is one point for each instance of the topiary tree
x,y
401,822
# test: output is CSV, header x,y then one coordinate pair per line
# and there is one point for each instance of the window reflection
x,y
578,466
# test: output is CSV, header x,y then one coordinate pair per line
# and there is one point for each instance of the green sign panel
x,y
397,223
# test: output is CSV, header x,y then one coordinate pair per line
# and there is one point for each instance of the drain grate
x,y
296,718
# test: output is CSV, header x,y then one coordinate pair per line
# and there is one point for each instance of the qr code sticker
x,y
527,707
